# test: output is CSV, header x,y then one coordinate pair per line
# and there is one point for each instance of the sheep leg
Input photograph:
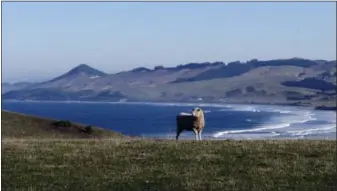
x,y
196,134
178,133
200,135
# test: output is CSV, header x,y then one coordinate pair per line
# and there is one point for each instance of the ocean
x,y
157,120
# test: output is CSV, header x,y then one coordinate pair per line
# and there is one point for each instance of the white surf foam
x,y
278,126
281,111
185,114
285,122
321,130
246,108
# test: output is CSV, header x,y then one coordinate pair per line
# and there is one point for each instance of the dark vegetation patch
x,y
237,68
235,92
311,83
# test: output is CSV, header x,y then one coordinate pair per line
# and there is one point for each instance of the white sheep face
x,y
197,112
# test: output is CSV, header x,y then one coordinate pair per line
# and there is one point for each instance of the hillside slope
x,y
16,125
287,81
6,87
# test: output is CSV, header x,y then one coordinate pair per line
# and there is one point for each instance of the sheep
x,y
191,122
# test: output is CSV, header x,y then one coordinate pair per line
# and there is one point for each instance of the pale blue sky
x,y
44,39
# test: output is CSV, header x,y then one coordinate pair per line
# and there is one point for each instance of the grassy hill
x,y
293,81
16,125
35,156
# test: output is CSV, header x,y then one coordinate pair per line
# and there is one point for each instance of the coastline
x,y
239,136
307,106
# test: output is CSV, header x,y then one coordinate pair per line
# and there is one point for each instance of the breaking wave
x,y
290,122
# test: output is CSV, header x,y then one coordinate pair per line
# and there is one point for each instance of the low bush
x,y
88,129
62,123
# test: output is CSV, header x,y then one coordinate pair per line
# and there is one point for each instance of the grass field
x,y
109,161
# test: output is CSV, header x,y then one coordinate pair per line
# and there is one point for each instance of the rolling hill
x,y
282,81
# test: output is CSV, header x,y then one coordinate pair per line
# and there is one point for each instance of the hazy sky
x,y
44,39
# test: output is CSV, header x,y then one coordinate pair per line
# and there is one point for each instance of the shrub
x,y
250,89
62,123
88,129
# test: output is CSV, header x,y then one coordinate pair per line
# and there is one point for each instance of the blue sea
x,y
157,120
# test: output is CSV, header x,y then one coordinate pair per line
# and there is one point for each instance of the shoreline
x,y
331,136
328,136
311,107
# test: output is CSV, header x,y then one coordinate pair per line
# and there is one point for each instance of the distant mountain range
x,y
283,81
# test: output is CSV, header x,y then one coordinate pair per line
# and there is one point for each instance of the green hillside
x,y
15,125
